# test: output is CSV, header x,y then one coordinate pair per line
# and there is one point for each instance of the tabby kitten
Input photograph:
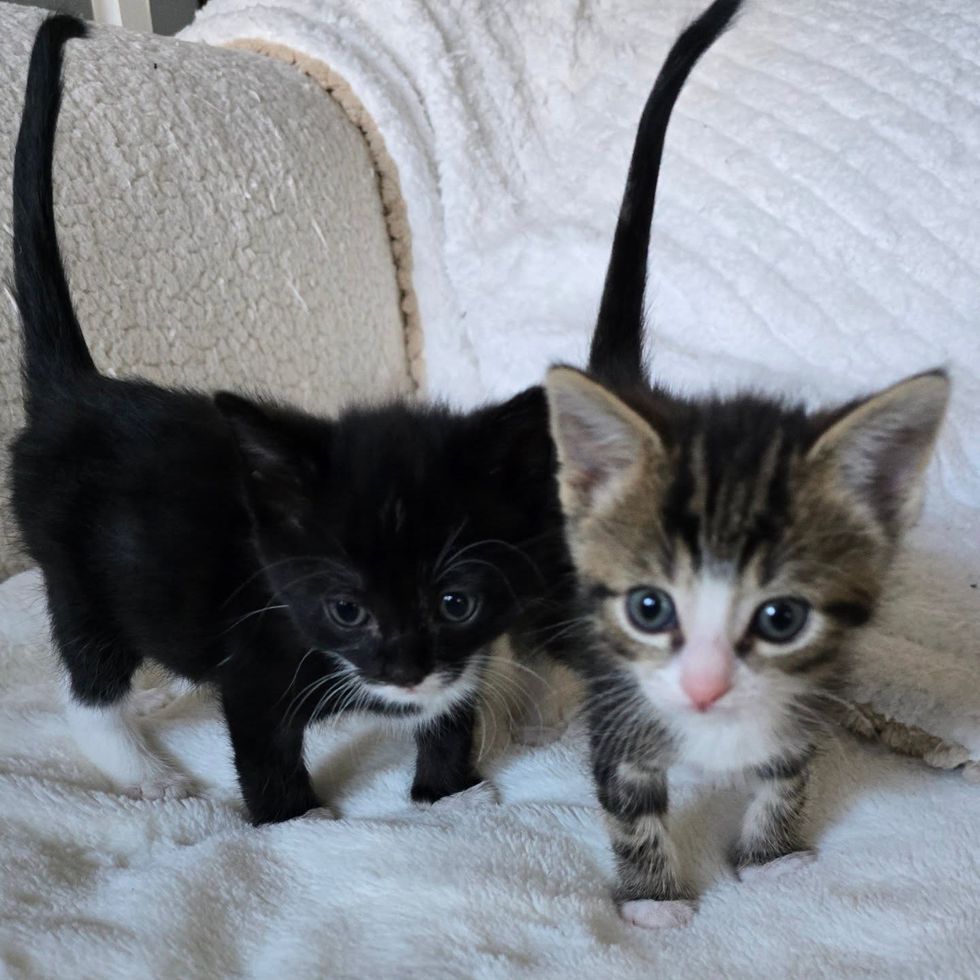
x,y
727,550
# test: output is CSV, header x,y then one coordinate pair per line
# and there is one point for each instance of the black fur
x,y
54,346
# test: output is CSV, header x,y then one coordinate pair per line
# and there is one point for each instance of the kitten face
x,y
389,536
726,549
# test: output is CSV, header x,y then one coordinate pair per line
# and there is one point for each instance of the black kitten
x,y
302,566
366,562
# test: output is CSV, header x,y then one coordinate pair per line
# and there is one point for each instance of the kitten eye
x,y
347,613
651,610
780,620
458,607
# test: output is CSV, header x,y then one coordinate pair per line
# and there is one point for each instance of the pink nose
x,y
705,690
707,670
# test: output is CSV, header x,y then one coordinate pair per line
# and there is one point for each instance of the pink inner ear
x,y
707,670
886,470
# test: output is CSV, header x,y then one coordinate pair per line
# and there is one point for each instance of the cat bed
x,y
502,884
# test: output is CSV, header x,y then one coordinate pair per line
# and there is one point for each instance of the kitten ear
x,y
603,445
513,446
254,430
877,450
276,462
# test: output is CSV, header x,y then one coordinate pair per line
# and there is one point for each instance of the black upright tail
x,y
54,348
617,344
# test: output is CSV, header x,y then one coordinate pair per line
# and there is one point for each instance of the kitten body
x,y
302,566
726,551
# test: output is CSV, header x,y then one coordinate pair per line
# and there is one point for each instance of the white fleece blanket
x,y
96,885
815,233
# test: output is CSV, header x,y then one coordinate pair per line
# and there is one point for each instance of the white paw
x,y
318,813
786,865
650,914
151,700
163,784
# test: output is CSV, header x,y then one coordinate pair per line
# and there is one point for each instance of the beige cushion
x,y
221,222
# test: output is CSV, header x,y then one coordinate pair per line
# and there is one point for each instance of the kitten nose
x,y
705,690
402,675
707,671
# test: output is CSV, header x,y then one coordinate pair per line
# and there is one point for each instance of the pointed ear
x,y
512,441
603,445
276,464
876,451
261,446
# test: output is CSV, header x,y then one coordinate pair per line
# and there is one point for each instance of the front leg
x,y
635,802
772,827
628,764
444,764
269,759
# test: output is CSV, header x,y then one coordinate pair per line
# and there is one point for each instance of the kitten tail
x,y
54,349
616,356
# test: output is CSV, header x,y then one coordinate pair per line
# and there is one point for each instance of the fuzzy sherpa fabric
x,y
496,886
221,221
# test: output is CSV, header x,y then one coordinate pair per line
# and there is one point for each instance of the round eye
x,y
780,620
651,610
347,613
457,607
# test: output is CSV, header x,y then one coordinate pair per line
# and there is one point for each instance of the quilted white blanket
x,y
816,235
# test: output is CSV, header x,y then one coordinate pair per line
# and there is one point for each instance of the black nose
x,y
402,674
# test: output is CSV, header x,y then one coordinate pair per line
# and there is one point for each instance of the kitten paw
x,y
779,867
164,784
151,700
648,913
318,813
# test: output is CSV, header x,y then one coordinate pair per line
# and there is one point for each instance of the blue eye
x,y
458,607
651,610
347,613
780,620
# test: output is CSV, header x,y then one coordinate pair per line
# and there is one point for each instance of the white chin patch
x,y
420,695
741,729
432,696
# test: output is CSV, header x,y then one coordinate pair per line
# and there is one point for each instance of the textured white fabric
x,y
815,234
93,884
